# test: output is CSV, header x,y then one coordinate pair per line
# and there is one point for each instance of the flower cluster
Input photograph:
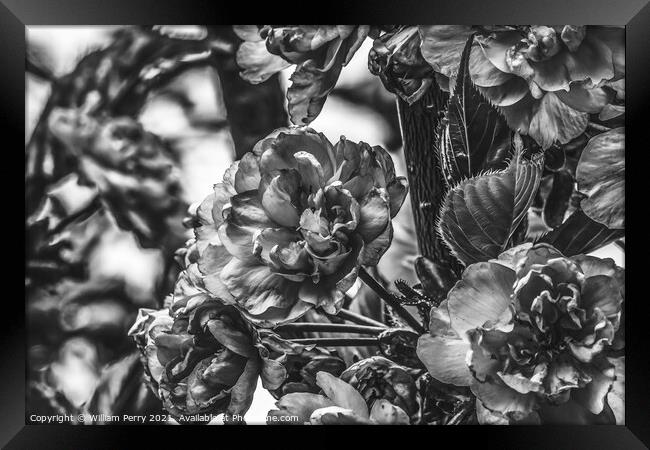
x,y
547,80
319,52
532,334
341,405
131,168
200,355
292,221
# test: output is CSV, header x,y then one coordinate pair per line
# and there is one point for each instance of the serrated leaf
x,y
480,215
473,136
579,234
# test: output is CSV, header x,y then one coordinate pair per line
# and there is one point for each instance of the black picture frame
x,y
15,15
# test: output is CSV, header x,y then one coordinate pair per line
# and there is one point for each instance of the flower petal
x,y
278,196
373,251
482,296
247,176
509,93
593,395
241,394
444,358
246,210
483,72
586,100
601,176
385,413
237,240
232,338
273,374
301,405
257,288
602,292
375,215
342,394
501,399
546,120
258,63
397,190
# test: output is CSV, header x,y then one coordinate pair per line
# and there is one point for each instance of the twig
x,y
598,127
391,300
338,342
87,211
353,317
331,327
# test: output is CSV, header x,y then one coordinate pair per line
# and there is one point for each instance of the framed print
x,y
366,225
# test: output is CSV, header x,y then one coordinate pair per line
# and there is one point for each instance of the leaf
x,y
473,136
480,215
579,234
601,176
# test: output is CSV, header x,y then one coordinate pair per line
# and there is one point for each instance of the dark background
x,y
635,13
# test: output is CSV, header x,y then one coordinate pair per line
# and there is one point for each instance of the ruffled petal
x,y
594,394
342,394
232,338
373,251
246,210
546,120
258,63
301,405
237,240
277,199
602,292
397,190
445,359
481,297
241,394
384,412
502,399
257,288
375,215
247,177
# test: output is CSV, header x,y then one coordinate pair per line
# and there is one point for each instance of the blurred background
x,y
78,325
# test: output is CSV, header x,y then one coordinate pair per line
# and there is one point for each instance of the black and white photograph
x,y
325,224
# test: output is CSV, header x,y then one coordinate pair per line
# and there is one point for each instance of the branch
x,y
253,110
598,127
338,342
85,212
331,327
353,317
391,300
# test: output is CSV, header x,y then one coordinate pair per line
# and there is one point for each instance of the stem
x,y
353,317
87,211
391,300
254,110
338,342
598,127
331,327
418,124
